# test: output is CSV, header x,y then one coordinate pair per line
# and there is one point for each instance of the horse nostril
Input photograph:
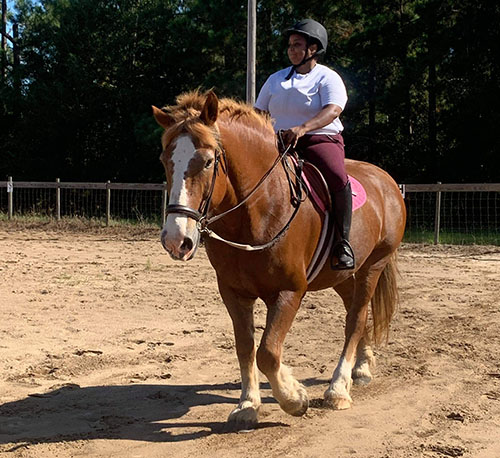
x,y
187,245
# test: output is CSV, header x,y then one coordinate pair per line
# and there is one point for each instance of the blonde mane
x,y
188,107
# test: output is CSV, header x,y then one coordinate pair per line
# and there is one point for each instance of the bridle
x,y
201,215
202,212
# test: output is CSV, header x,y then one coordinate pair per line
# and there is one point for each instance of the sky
x,y
10,4
10,7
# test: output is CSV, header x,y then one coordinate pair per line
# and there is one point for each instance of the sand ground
x,y
110,349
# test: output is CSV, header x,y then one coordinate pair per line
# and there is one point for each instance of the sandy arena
x,y
111,349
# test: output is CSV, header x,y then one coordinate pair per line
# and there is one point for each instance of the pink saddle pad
x,y
318,190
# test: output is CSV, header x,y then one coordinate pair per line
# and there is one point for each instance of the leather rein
x,y
201,215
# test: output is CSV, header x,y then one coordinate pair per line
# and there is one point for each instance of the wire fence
x,y
132,202
437,213
453,216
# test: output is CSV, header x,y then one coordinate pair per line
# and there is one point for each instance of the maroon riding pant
x,y
327,153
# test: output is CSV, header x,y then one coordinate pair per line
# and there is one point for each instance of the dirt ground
x,y
111,349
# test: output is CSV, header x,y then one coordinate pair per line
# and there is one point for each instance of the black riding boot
x,y
342,252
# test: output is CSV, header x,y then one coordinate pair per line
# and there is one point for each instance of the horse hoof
x,y
336,403
361,381
361,377
242,418
300,410
297,407
296,410
361,374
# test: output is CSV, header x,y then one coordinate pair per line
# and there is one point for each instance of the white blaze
x,y
176,224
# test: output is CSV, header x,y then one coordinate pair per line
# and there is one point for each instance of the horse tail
x,y
385,300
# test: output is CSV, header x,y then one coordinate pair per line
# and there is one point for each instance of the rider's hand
x,y
292,135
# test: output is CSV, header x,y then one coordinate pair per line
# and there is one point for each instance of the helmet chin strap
x,y
304,60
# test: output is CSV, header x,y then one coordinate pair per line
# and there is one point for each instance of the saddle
x,y
312,181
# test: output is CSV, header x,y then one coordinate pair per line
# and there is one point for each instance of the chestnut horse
x,y
218,157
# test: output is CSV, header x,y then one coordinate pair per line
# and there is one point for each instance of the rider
x,y
305,101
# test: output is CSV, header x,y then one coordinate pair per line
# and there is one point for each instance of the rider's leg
x,y
343,255
327,153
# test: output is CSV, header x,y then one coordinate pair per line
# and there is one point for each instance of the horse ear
x,y
210,109
163,119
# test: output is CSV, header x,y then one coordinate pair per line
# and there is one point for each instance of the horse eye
x,y
209,163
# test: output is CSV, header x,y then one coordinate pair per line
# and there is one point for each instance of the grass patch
x,y
129,229
150,228
452,238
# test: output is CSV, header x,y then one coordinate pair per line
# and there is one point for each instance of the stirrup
x,y
344,254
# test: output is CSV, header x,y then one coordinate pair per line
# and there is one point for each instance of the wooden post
x,y
251,49
58,200
437,216
164,199
10,192
108,203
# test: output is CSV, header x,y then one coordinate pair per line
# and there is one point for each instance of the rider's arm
x,y
327,114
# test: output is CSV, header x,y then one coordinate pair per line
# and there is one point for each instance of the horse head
x,y
190,155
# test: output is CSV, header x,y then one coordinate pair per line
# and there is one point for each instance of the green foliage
x,y
423,79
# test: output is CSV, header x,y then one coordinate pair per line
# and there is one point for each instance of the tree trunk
x,y
371,105
431,118
409,125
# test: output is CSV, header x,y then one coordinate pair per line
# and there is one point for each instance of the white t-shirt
x,y
295,101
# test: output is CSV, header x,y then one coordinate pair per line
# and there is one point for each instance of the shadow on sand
x,y
136,412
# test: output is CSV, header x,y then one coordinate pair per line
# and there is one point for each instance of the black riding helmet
x,y
314,32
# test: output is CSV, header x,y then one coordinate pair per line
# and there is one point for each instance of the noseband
x,y
184,210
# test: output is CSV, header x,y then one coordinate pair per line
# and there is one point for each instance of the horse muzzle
x,y
180,237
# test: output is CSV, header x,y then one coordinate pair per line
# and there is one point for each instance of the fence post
x,y
164,199
437,216
10,192
58,200
108,203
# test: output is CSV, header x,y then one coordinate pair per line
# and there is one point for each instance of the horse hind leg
x,y
383,301
365,362
245,416
366,282
365,359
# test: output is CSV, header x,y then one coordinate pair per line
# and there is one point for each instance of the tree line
x,y
79,78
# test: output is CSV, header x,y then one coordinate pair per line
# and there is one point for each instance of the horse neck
x,y
250,155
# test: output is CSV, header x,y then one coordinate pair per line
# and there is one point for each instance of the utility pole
x,y
251,49
4,40
16,70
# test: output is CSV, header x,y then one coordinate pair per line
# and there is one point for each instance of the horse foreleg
x,y
365,359
245,416
337,395
290,394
